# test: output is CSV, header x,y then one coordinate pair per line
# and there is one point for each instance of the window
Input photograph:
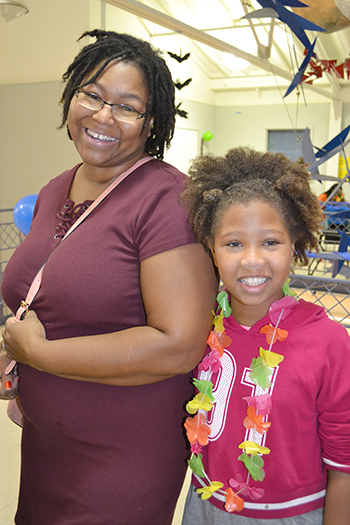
x,y
286,141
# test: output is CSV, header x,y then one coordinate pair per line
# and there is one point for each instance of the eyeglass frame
x,y
139,117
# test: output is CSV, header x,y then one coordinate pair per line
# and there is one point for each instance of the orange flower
x,y
197,430
214,343
272,333
224,339
256,421
233,502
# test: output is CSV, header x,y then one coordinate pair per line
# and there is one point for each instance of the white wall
x,y
29,44
32,150
248,125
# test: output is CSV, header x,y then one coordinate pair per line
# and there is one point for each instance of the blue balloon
x,y
23,213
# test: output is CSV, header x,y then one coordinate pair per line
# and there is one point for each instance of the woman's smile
x,y
100,137
102,140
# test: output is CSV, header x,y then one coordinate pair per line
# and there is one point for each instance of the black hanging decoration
x,y
179,58
180,86
181,112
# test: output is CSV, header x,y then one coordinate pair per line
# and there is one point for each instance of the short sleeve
x,y
162,222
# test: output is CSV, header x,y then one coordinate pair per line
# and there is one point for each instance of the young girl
x,y
269,426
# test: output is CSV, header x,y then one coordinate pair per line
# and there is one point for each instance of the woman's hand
x,y
22,339
8,382
178,289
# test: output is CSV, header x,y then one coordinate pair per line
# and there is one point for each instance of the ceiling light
x,y
11,9
234,63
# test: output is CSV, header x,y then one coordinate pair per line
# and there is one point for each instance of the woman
x,y
117,325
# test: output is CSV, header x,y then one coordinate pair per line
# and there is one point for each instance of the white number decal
x,y
222,393
222,389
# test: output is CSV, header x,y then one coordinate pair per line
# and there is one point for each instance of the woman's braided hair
x,y
244,175
111,46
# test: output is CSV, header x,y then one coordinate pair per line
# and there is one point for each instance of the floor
x,y
9,466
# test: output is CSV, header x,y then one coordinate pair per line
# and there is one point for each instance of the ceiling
x,y
207,28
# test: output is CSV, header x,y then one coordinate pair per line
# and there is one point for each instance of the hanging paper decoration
x,y
181,112
323,154
179,58
299,76
297,24
180,85
317,67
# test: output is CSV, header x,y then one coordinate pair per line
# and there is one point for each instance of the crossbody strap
x,y
34,287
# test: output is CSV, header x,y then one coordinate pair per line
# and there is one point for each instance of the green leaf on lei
x,y
222,299
204,387
195,464
286,290
260,373
254,465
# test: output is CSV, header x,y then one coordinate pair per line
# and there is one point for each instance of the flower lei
x,y
258,406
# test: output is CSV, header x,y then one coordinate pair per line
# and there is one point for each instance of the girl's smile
x,y
253,252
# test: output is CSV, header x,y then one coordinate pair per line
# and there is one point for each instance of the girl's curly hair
x,y
244,175
111,46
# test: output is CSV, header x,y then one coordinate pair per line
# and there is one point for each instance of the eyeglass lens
x,y
95,103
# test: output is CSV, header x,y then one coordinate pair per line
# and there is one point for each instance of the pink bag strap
x,y
34,287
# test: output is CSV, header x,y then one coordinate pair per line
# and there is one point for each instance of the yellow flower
x,y
272,359
253,448
218,322
208,490
199,402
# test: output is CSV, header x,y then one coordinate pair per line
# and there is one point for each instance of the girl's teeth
x,y
105,138
254,281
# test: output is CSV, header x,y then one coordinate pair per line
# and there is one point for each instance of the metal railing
x,y
10,238
332,294
318,286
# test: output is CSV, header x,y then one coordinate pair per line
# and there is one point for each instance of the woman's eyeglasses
x,y
95,103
